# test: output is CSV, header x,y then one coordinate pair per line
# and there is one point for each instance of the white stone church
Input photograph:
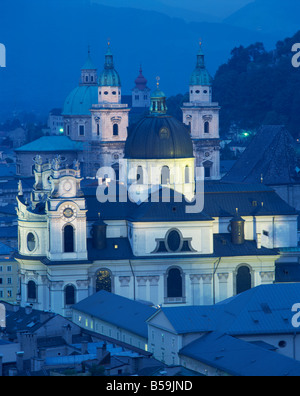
x,y
72,243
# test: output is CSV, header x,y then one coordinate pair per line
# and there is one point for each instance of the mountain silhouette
x,y
47,41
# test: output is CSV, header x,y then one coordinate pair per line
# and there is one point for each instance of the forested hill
x,y
258,87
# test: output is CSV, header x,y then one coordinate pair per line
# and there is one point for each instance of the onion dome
x,y
109,77
141,81
200,75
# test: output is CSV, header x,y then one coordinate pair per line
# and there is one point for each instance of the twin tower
x,y
95,115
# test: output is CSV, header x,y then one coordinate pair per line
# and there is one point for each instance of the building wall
x,y
108,329
9,280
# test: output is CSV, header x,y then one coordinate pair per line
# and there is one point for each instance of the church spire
x,y
89,71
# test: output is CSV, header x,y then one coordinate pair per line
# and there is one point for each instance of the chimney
x,y
67,334
28,342
84,348
101,351
20,361
1,365
37,364
42,353
28,309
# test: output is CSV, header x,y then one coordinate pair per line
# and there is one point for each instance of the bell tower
x,y
109,118
201,114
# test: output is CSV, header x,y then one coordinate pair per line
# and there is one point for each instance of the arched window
x,y
140,175
116,130
174,283
68,239
165,175
243,279
103,281
70,295
187,174
206,127
31,290
31,242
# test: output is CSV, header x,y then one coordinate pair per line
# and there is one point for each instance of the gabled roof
x,y
270,155
239,358
120,311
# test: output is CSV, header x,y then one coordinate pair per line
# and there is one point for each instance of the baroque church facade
x,y
78,236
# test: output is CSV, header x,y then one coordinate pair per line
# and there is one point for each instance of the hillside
x,y
47,42
268,16
257,87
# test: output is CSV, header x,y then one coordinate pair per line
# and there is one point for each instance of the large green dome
x,y
109,77
80,100
200,75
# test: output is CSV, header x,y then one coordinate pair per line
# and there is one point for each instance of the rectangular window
x,y
1,268
9,268
207,172
9,281
1,281
81,130
9,293
1,293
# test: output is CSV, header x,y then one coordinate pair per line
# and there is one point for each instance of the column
x,y
223,290
124,286
207,289
153,281
195,289
142,288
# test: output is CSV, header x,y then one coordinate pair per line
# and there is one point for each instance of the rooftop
x,y
120,311
239,358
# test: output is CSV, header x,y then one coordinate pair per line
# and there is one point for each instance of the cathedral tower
x,y
109,118
201,114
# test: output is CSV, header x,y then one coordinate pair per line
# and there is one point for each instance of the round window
x,y
114,93
197,92
106,93
282,344
174,241
205,92
31,242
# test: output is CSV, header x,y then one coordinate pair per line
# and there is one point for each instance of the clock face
x,y
68,213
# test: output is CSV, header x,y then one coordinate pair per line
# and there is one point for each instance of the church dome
x,y
80,100
109,77
200,75
159,137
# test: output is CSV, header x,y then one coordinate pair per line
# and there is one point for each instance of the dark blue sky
x,y
47,41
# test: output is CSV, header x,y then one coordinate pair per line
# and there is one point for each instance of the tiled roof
x,y
265,309
220,200
239,358
120,311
